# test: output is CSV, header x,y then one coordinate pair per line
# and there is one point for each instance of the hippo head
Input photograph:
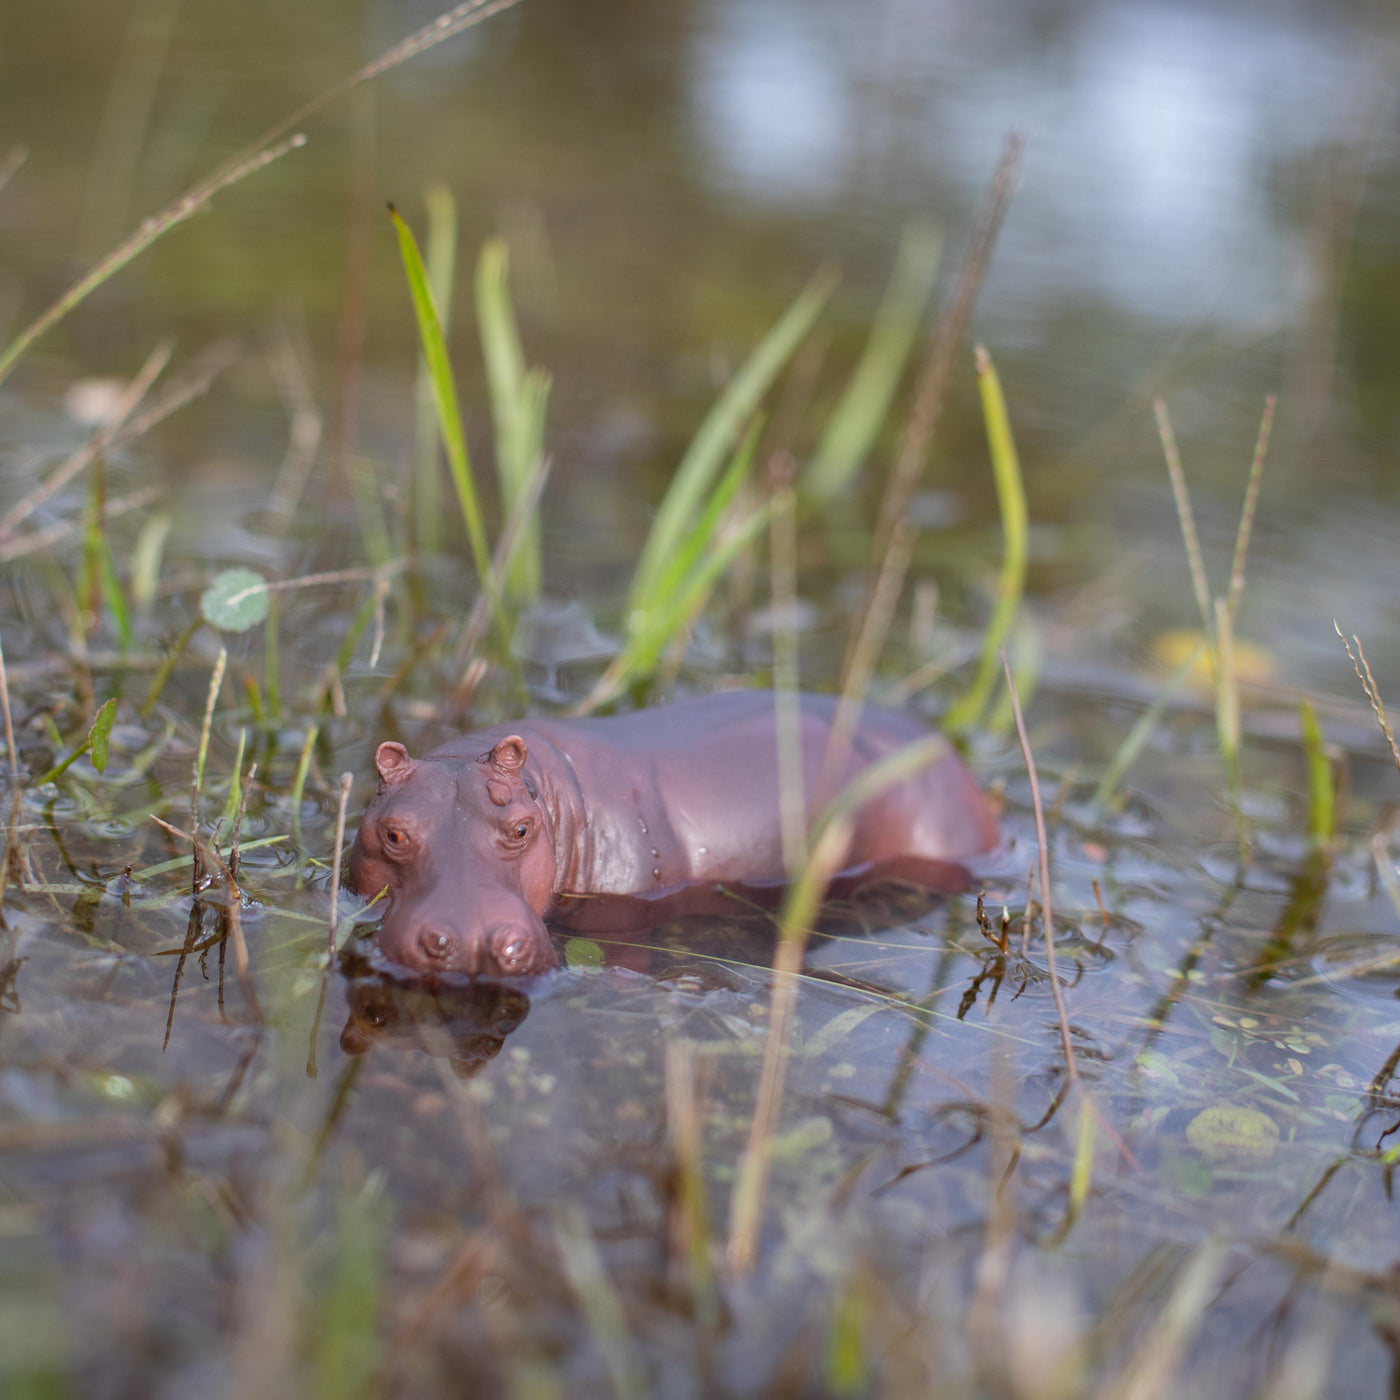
x,y
466,854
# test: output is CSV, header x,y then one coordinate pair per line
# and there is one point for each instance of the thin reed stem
x,y
97,445
1251,505
9,727
346,779
1186,516
863,655
937,371
1362,667
1047,910
782,553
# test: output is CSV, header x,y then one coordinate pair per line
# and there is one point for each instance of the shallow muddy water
x,y
295,1179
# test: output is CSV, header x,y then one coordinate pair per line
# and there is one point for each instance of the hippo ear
x,y
509,755
393,762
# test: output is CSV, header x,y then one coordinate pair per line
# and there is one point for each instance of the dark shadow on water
x,y
461,1020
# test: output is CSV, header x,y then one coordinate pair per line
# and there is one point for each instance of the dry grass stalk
x,y
1047,911
40,541
1251,505
1194,559
346,779
1362,667
867,644
782,554
933,382
270,147
186,207
96,445
9,725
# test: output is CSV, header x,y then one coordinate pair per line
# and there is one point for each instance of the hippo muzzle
x,y
462,849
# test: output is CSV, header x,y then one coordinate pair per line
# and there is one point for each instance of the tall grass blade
x,y
1011,497
861,412
235,786
687,578
445,397
518,401
1322,791
722,427
441,262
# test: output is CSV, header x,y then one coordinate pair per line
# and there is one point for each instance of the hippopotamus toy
x,y
620,823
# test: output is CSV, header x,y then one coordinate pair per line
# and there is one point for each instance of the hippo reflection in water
x,y
464,1021
615,824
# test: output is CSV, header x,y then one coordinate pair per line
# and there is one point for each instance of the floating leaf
x,y
100,734
237,600
583,952
1232,1130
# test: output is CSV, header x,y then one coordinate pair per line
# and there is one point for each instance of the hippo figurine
x,y
620,823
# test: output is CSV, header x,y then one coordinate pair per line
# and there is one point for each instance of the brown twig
x,y
234,911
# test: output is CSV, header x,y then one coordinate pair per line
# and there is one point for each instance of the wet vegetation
x,y
1119,1123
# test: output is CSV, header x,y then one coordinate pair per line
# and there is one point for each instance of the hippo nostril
x,y
435,945
512,949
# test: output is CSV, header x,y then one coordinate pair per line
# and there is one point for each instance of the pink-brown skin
x,y
616,824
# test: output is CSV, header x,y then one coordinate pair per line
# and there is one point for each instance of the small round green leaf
x,y
100,733
235,601
583,952
1232,1130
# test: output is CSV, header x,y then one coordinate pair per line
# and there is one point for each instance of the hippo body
x,y
618,823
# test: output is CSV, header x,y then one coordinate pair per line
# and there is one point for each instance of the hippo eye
x,y
522,830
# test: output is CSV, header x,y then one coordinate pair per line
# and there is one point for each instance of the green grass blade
x,y
1015,524
441,262
1322,797
674,574
518,402
114,593
235,786
445,397
858,417
720,430
643,651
